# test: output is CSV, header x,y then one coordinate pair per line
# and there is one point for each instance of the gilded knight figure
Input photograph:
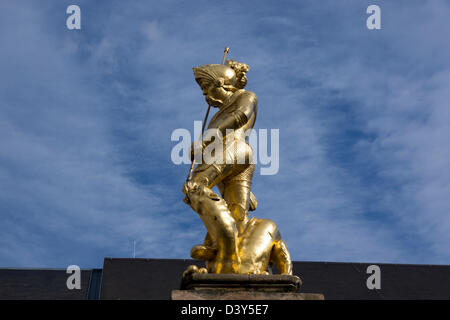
x,y
234,243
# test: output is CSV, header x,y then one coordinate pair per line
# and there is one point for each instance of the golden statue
x,y
234,243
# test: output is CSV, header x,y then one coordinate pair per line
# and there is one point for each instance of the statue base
x,y
198,286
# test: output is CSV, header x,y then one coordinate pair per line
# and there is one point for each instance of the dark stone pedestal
x,y
199,286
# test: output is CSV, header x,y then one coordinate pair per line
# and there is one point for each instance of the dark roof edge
x,y
295,261
173,259
46,269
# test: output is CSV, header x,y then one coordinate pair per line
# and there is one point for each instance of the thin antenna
x,y
134,249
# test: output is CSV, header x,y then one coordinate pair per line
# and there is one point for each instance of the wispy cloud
x,y
86,118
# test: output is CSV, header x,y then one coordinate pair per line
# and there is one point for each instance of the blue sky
x,y
86,118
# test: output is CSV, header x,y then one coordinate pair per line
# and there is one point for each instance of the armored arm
x,y
245,110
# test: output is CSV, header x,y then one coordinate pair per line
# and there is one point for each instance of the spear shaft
x,y
191,171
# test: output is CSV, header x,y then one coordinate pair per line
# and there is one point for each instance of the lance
x,y
191,171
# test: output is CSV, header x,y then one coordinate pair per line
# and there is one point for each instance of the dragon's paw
x,y
194,269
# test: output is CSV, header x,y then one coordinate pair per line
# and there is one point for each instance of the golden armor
x,y
234,242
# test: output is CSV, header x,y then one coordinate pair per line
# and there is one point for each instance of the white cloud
x,y
85,154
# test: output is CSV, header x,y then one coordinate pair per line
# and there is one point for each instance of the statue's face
x,y
214,95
